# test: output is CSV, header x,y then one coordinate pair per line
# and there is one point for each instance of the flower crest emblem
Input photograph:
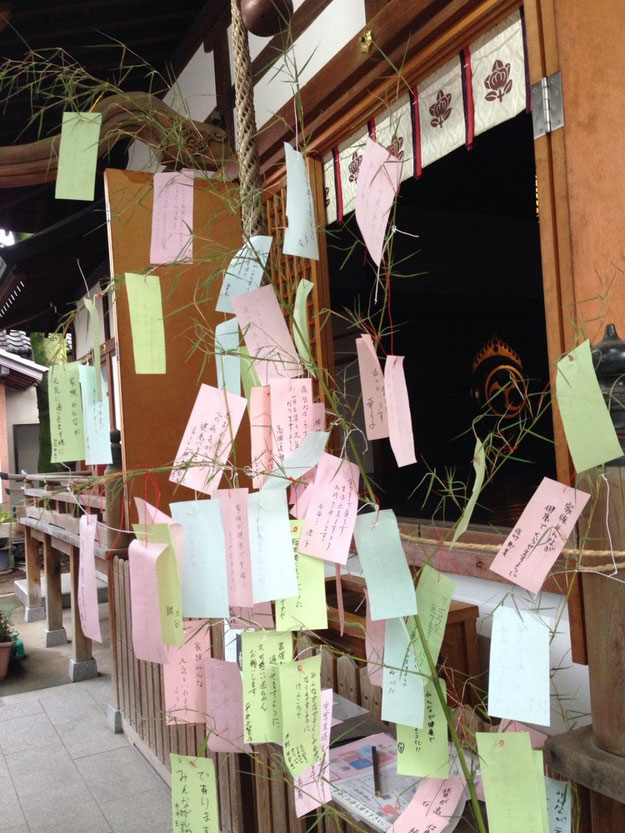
x,y
441,109
354,166
498,83
395,147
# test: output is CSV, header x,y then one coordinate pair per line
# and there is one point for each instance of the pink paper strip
x,y
431,807
172,218
224,706
144,607
372,383
207,439
291,415
87,584
398,409
374,647
237,536
183,674
331,514
260,433
259,617
537,739
379,176
318,416
539,536
149,515
312,788
266,334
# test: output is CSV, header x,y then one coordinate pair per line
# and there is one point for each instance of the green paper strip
x,y
308,609
434,595
194,794
300,699
78,156
510,786
96,335
300,320
424,753
587,424
66,419
146,323
262,653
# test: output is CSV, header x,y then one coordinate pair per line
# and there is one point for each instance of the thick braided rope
x,y
252,210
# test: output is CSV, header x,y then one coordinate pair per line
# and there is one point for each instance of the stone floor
x,y
63,771
46,667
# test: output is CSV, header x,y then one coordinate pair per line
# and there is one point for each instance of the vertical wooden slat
x,y
262,790
81,644
54,599
348,682
132,713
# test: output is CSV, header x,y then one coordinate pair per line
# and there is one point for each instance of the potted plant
x,y
6,643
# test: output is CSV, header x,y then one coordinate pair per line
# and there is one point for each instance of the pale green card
x,y
479,464
300,699
67,432
96,335
262,652
78,156
539,764
249,374
513,800
300,320
194,795
425,752
168,578
146,322
309,609
434,594
589,430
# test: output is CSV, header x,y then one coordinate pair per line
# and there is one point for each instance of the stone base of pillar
x,y
85,670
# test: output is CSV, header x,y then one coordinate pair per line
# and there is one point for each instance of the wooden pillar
x,y
34,611
82,665
55,632
602,526
4,434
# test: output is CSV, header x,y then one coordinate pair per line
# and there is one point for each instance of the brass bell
x,y
266,17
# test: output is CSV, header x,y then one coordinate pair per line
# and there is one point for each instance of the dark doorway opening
x,y
478,253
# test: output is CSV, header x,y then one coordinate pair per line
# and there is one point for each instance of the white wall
x,y
21,410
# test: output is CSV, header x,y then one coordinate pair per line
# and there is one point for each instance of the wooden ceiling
x,y
101,35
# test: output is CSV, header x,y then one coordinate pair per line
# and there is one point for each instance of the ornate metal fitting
x,y
366,41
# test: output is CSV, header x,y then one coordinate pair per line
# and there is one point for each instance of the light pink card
x,y
398,409
87,584
431,807
183,674
172,218
312,787
147,638
372,384
291,415
266,334
224,706
374,647
539,536
318,416
260,433
378,182
331,515
259,617
207,439
537,739
149,515
302,494
237,536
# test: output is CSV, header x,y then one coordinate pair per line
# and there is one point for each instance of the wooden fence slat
x,y
370,695
347,679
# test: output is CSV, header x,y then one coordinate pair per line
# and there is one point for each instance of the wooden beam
x,y
223,84
372,7
417,37
214,16
306,14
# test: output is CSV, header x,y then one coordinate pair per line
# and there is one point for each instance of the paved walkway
x,y
63,771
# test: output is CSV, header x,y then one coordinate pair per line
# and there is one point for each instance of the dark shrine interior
x,y
478,253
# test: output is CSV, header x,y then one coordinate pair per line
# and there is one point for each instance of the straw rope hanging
x,y
250,184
